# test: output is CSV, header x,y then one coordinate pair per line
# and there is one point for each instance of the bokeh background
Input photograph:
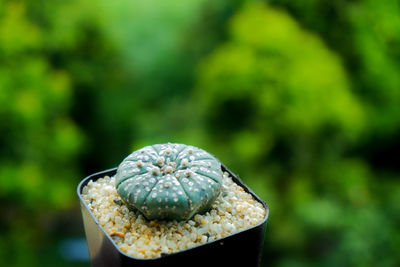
x,y
300,98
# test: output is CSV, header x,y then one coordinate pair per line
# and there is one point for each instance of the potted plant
x,y
171,205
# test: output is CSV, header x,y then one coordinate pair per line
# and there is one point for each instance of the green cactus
x,y
169,181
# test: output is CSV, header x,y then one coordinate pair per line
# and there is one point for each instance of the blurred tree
x,y
39,141
161,44
260,82
38,138
47,55
280,100
366,34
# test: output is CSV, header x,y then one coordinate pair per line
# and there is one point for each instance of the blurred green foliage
x,y
300,98
284,106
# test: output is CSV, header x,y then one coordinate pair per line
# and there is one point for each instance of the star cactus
x,y
169,181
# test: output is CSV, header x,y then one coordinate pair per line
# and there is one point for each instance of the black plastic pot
x,y
239,249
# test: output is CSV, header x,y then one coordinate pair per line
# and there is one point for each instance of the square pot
x,y
242,248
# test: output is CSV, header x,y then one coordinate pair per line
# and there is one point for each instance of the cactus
x,y
169,181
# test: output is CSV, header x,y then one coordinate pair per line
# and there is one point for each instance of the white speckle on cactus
x,y
168,151
184,163
169,169
155,170
160,161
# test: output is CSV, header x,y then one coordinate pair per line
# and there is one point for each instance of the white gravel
x,y
234,210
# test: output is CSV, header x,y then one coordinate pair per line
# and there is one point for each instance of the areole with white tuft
x,y
169,181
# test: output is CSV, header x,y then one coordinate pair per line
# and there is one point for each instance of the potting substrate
x,y
233,211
